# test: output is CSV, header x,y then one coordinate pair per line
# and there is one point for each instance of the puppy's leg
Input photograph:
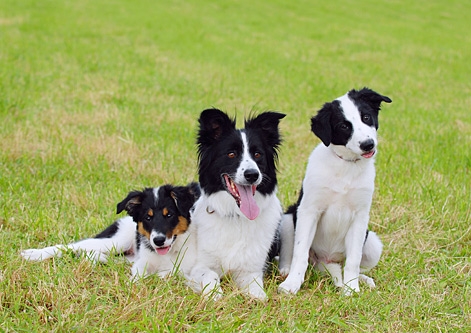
x,y
118,237
251,283
139,270
205,281
44,253
308,217
287,244
93,249
354,240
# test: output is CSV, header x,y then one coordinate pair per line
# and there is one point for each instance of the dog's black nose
x,y
367,145
251,175
159,240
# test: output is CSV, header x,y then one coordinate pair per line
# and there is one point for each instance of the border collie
x,y
154,236
238,213
330,219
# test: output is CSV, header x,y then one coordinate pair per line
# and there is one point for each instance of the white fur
x,y
246,163
179,259
229,243
333,213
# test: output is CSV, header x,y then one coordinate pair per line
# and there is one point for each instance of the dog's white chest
x,y
230,242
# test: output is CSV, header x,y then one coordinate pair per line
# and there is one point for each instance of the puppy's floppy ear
x,y
320,123
268,123
370,97
130,203
213,124
185,197
195,190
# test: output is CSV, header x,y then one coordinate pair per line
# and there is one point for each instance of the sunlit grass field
x,y
101,97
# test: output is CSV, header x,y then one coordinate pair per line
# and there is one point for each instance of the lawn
x,y
101,97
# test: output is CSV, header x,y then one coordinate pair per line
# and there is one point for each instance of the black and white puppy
x,y
330,219
154,236
238,213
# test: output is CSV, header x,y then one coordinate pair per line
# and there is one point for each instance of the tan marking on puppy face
x,y
142,231
165,211
150,212
182,225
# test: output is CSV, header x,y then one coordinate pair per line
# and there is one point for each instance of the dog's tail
x,y
283,233
287,228
372,250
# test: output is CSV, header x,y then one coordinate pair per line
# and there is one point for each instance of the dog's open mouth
x,y
163,250
244,197
369,154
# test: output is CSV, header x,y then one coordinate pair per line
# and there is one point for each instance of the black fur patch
x,y
220,148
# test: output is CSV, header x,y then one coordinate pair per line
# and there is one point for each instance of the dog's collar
x,y
346,160
210,211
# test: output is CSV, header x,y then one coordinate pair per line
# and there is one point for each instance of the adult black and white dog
x,y
238,213
330,219
154,236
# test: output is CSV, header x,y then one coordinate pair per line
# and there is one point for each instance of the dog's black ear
x,y
370,97
195,190
129,204
267,122
185,197
320,123
213,124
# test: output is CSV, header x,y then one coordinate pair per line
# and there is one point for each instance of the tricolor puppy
x,y
330,219
163,243
238,213
154,236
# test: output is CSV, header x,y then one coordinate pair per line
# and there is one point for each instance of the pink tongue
x,y
163,250
368,155
248,206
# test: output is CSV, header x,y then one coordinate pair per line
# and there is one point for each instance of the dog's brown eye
x,y
231,155
257,155
366,117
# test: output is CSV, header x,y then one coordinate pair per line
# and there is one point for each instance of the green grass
x,y
101,97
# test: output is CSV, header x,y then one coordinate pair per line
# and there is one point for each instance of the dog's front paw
x,y
284,271
289,287
138,271
258,294
215,294
95,256
260,297
350,289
